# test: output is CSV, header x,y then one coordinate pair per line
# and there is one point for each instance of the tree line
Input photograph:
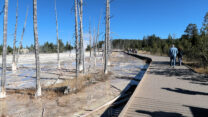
x,y
47,47
194,43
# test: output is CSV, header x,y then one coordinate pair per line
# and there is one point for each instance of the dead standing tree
x,y
3,74
94,45
110,45
76,37
98,34
96,40
20,44
107,36
14,65
58,58
82,58
90,37
37,61
109,51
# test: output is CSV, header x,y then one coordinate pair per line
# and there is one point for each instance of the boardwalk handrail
x,y
148,60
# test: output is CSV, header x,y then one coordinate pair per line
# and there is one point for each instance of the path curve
x,y
168,92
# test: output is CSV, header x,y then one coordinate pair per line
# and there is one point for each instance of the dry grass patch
x,y
201,70
74,85
196,67
30,92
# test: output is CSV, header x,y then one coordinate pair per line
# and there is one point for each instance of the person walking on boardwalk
x,y
173,51
180,56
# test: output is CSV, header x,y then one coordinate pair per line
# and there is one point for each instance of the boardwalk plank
x,y
166,91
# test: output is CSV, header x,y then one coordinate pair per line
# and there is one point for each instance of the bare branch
x,y
2,11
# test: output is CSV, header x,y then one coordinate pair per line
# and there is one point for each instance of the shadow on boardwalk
x,y
160,113
184,91
197,111
201,80
167,70
180,73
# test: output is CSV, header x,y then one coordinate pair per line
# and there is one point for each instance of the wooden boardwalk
x,y
168,92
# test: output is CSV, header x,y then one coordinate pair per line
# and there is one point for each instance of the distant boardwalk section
x,y
168,92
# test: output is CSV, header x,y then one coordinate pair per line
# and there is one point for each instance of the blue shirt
x,y
173,52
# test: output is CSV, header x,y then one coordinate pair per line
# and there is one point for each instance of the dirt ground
x,y
22,104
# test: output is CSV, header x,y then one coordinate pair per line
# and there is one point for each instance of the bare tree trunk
x,y
2,11
58,59
90,41
110,45
81,36
80,56
107,35
20,44
109,51
37,61
3,74
80,45
94,47
76,38
93,42
98,34
14,65
96,42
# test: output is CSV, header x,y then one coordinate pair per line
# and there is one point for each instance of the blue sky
x,y
132,19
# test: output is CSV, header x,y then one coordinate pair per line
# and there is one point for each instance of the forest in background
x,y
194,43
47,47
